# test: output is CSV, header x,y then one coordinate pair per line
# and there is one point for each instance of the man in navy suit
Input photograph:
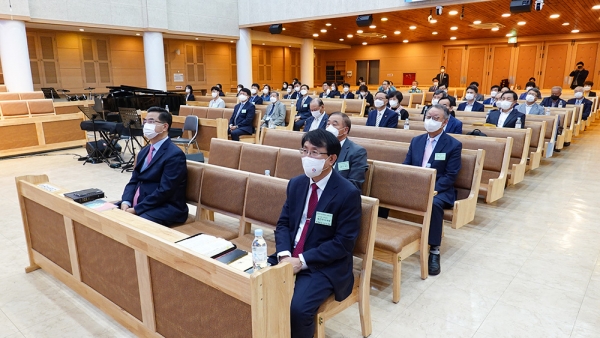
x,y
318,119
580,100
492,99
328,92
255,98
241,122
507,116
471,104
302,108
317,231
382,116
554,100
352,162
454,125
156,190
437,150
346,93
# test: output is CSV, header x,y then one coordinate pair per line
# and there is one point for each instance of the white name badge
x,y
253,103
305,105
243,111
343,165
323,218
440,156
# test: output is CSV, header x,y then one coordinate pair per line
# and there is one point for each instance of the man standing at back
x,y
437,150
352,162
317,231
156,190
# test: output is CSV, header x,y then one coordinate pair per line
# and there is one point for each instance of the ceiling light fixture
x,y
328,24
138,34
521,23
476,22
453,28
283,28
384,19
575,31
405,41
197,38
384,37
509,35
495,29
453,12
565,24
434,33
323,31
349,35
364,43
554,16
315,35
505,15
596,7
81,29
232,41
341,39
453,38
372,26
397,32
359,31
432,21
413,27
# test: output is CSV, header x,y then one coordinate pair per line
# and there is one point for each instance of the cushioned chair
x,y
31,95
40,107
14,109
9,96
190,125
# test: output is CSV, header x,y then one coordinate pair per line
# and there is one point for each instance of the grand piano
x,y
141,98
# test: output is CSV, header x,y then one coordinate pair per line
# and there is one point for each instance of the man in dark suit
x,y
471,104
581,100
327,92
241,122
317,231
382,116
435,85
507,116
492,99
454,125
352,162
295,92
318,119
302,108
346,93
442,77
437,150
579,75
587,89
450,97
554,100
156,190
255,98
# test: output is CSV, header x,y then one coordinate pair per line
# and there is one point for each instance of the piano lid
x,y
138,90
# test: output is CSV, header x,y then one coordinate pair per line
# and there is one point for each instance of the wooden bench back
x,y
289,163
264,200
497,153
334,105
355,107
521,140
224,153
43,106
32,95
256,158
14,108
282,138
223,190
9,96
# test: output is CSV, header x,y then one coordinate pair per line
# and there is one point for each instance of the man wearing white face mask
x,y
156,190
352,162
491,101
319,118
580,100
506,116
303,111
217,101
275,113
382,116
241,121
528,86
317,230
437,150
437,96
289,94
255,98
471,104
531,107
346,93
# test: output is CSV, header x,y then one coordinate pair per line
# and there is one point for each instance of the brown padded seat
x,y
185,110
354,106
194,181
224,190
227,113
214,113
258,158
387,181
289,164
358,121
393,235
378,150
283,139
225,153
14,108
264,199
32,95
9,96
40,106
389,134
201,112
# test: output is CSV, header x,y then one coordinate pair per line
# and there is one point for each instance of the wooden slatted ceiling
x,y
578,13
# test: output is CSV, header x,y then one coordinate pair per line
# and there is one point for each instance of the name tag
x,y
428,165
440,156
323,218
253,103
343,165
243,111
304,105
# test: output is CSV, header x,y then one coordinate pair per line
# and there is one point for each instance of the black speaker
x,y
364,20
102,148
276,29
520,6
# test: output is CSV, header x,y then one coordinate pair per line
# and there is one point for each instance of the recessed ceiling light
x,y
397,32
315,35
565,24
413,27
290,46
283,28
263,44
505,15
138,34
384,19
596,7
349,35
372,26
575,31
81,29
554,16
231,41
364,43
384,37
453,38
509,35
476,22
521,23
453,12
434,33
405,41
359,31
323,31
328,24
196,38
495,29
453,28
433,21
341,39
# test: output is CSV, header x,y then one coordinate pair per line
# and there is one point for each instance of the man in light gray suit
x,y
531,107
275,113
352,162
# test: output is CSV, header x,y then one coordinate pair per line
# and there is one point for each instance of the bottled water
x,y
547,111
167,107
560,105
259,250
406,124
518,123
267,172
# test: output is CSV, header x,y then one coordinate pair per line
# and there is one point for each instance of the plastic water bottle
x,y
406,124
259,250
167,107
547,111
267,172
560,105
518,123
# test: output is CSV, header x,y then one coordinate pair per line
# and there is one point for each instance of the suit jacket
x,y
277,116
389,119
591,94
547,102
303,110
536,109
579,77
348,95
355,157
292,96
454,126
327,249
255,99
447,168
402,113
162,184
322,124
332,94
476,106
443,79
244,119
587,107
488,101
433,88
510,121
190,97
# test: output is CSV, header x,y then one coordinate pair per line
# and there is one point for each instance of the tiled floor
x,y
526,267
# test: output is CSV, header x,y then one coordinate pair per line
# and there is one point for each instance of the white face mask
x,y
265,91
333,130
393,103
363,94
346,89
530,98
188,90
150,131
379,103
313,167
315,113
284,86
243,97
304,92
414,87
289,90
470,96
435,84
432,125
252,91
578,95
505,105
273,99
434,102
214,94
297,89
493,94
587,89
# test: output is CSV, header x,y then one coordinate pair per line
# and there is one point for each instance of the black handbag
x,y
477,132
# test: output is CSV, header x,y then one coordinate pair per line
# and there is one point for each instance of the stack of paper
x,y
207,245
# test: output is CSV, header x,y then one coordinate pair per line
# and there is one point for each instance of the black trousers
x,y
299,124
310,291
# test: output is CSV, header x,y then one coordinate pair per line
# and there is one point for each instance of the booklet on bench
x,y
207,245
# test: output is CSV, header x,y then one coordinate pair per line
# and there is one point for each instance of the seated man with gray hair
x,y
554,100
274,114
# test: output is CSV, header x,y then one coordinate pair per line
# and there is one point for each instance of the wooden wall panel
x,y
526,61
476,65
500,63
18,136
556,59
454,65
588,53
62,131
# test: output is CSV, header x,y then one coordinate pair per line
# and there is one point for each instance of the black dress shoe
x,y
434,264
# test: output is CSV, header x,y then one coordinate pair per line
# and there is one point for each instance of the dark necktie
x,y
312,205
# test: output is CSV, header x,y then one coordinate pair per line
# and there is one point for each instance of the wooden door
x,y
555,61
454,62
586,52
501,63
526,64
476,62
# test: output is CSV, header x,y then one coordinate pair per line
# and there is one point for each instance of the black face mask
x,y
555,97
579,67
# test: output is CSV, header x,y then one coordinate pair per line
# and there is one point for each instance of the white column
x,y
15,56
154,58
307,62
244,57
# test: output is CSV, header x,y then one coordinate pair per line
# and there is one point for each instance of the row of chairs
x,y
21,96
25,108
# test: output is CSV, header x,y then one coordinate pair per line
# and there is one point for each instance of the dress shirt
x,y
434,142
528,109
379,117
502,118
156,146
316,122
216,103
342,142
469,106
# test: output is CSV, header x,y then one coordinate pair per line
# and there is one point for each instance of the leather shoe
x,y
434,264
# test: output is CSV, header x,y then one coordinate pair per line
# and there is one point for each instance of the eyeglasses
x,y
436,118
312,153
152,121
